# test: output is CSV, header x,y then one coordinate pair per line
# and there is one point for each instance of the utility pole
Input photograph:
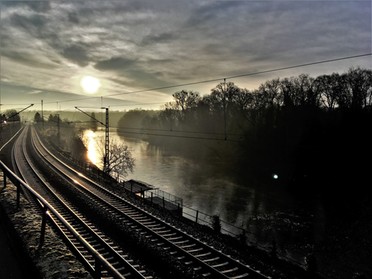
x,y
106,159
224,107
58,129
42,114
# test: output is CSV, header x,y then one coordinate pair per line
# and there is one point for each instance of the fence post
x,y
151,196
163,203
196,217
43,226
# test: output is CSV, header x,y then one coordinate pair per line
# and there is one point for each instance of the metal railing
x,y
47,211
164,196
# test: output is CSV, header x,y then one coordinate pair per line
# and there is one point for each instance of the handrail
x,y
48,207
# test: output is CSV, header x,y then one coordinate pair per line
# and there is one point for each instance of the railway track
x,y
88,242
190,252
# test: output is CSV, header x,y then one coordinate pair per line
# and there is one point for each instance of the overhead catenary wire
x,y
180,136
173,131
232,137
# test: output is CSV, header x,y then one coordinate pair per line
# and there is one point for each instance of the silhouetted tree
x,y
329,88
53,118
271,93
301,126
37,117
184,100
120,159
358,87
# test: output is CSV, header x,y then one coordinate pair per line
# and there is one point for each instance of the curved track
x,y
117,263
204,260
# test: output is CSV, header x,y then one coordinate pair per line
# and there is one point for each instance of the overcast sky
x,y
130,46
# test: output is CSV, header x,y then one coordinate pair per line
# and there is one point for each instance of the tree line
x,y
301,128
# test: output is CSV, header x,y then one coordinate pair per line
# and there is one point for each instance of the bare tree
x,y
329,87
184,100
359,83
120,159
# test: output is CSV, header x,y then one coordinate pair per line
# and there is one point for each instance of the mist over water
x,y
266,213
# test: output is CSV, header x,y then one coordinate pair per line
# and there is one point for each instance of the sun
x,y
90,84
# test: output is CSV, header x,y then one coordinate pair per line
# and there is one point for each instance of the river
x,y
267,214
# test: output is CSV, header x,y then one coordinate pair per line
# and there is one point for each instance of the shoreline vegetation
x,y
303,129
313,133
309,135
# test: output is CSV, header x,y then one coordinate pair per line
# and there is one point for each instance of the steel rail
x,y
205,258
104,245
112,252
101,259
51,211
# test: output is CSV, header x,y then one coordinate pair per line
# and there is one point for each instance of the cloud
x,y
29,23
29,58
133,72
158,38
38,6
143,44
78,54
115,64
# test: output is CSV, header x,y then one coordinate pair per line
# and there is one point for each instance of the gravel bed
x,y
53,259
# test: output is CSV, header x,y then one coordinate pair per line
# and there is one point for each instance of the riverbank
x,y
300,224
334,228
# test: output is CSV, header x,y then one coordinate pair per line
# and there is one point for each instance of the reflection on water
x,y
91,142
267,213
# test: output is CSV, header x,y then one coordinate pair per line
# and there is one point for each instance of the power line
x,y
222,78
137,104
301,65
180,136
245,75
174,131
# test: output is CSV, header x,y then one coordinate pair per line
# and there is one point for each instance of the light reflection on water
x,y
91,142
207,190
198,186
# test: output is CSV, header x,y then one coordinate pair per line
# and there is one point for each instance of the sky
x,y
142,52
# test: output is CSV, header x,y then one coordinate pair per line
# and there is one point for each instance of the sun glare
x,y
90,84
90,138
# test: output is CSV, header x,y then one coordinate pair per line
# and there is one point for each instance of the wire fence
x,y
164,196
264,240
